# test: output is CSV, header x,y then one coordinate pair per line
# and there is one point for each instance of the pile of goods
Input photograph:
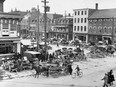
x,y
97,52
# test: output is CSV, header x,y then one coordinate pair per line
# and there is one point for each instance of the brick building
x,y
102,25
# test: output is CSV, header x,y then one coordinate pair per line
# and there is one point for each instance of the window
x,y
13,27
5,26
85,20
13,21
6,21
78,28
100,29
105,30
78,12
75,20
84,28
78,20
81,12
85,12
75,13
81,28
81,20
90,29
94,29
109,29
74,28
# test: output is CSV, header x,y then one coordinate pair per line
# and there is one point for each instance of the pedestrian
x,y
111,77
70,69
105,80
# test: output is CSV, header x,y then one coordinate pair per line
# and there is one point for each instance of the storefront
x,y
81,37
9,46
94,38
108,39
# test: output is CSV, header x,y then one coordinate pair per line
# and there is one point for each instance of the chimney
x,y
2,5
96,6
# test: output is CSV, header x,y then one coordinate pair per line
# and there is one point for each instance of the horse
x,y
41,70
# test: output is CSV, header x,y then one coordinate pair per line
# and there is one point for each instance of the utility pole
x,y
37,33
113,30
46,9
66,36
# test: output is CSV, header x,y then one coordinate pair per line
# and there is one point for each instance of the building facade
x,y
33,22
9,33
80,23
102,26
63,28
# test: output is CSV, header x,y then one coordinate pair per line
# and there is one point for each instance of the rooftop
x,y
9,15
104,13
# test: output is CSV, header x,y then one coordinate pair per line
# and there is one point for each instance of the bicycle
x,y
75,74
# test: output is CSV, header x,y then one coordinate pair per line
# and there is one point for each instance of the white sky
x,y
58,6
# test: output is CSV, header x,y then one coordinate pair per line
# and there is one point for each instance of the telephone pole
x,y
112,30
46,9
37,33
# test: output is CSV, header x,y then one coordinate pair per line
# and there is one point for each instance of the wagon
x,y
57,71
